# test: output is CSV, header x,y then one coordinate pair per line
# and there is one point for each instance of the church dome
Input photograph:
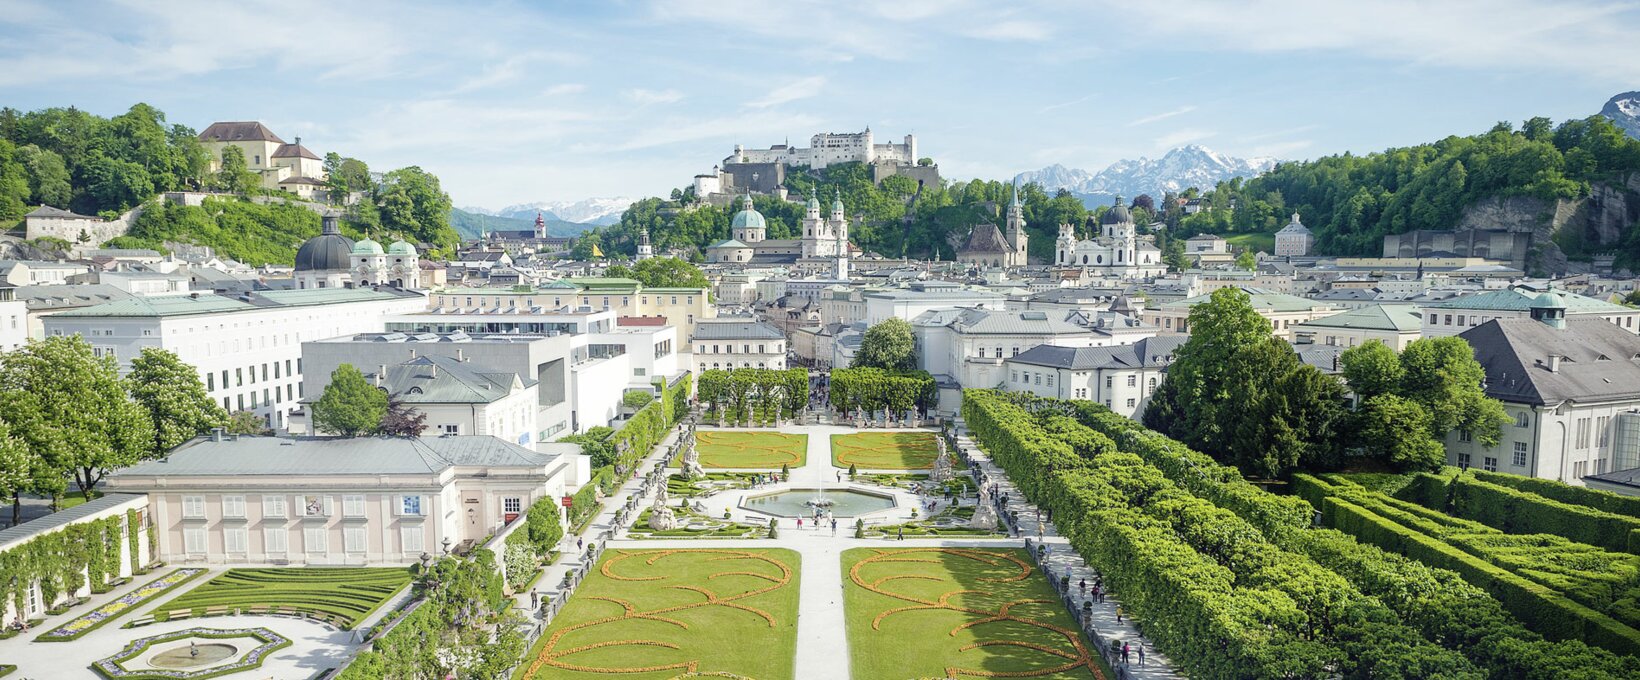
x,y
748,217
328,251
401,248
837,203
813,204
367,247
1117,214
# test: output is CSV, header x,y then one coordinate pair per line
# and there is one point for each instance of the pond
x,y
800,502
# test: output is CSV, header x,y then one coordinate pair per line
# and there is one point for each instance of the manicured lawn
x,y
886,450
958,613
658,614
1257,242
347,595
752,450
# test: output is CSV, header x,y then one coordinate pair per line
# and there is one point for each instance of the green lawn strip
x,y
887,451
751,450
682,629
120,606
348,594
6,669
930,641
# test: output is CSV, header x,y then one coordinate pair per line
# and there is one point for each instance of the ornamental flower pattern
x,y
113,666
136,598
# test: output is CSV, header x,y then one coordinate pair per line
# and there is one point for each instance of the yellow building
x,y
291,167
681,307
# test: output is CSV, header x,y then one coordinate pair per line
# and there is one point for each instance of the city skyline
x,y
510,103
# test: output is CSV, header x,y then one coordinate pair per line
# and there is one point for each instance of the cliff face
x,y
1595,223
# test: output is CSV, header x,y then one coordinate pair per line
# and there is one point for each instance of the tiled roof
x,y
239,131
1153,352
986,238
1601,362
48,211
295,150
735,330
317,456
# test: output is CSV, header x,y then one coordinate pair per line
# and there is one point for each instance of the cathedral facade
x,y
987,247
1117,251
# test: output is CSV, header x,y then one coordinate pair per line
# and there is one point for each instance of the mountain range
x,y
469,224
590,211
1624,111
1178,169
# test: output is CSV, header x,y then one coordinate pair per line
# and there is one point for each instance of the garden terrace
x,y
659,614
959,613
343,596
885,450
751,450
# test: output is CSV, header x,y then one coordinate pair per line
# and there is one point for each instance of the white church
x,y
1118,251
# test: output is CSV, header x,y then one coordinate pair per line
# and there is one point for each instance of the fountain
x,y
193,656
800,502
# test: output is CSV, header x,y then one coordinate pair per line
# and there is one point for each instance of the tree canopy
x,y
661,272
173,396
888,345
350,405
92,165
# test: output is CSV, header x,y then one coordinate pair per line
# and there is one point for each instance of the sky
x,y
514,102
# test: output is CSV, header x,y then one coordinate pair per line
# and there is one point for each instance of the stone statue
x,y
691,463
985,514
942,468
660,514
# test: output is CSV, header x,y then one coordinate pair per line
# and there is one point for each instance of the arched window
x,y
1099,259
1084,259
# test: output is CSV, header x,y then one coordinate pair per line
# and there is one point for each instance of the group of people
x,y
819,521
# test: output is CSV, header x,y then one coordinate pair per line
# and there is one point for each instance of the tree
x,y
411,201
661,272
1442,376
401,420
344,177
246,422
71,409
1397,430
889,346
1246,260
1371,369
15,462
235,176
47,176
350,405
174,397
1632,299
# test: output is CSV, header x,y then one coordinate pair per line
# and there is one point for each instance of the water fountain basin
x,y
844,502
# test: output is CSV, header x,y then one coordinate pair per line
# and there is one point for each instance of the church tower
x,y
540,225
1016,230
1065,245
645,251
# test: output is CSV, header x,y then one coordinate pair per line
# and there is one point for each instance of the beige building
x,y
681,307
223,499
278,163
1394,325
1283,311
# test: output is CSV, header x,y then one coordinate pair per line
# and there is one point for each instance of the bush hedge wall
x,y
1566,493
1523,512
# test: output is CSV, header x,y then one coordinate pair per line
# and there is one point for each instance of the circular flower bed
x,y
120,665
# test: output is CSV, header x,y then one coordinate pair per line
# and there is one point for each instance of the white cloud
x,y
802,88
508,70
1162,116
643,97
761,125
564,89
1062,105
1182,137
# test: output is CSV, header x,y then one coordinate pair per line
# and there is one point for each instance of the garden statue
x,y
691,463
942,468
985,513
660,515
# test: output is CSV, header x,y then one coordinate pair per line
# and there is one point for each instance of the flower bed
x,y
85,623
112,667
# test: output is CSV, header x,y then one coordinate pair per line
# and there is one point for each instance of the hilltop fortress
x,y
763,171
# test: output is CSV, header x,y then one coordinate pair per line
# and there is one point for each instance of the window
x,y
353,506
313,540
1016,351
234,540
239,378
1039,378
1013,376
412,539
353,539
1520,454
316,506
1582,431
410,505
1153,383
1131,403
276,541
233,506
1081,393
193,540
1050,380
452,428
210,382
1490,464
273,506
1579,469
512,505
1465,437
1600,430
1463,460
1522,420
193,507
1133,381
1109,382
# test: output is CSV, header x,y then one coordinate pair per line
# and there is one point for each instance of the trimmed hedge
x,y
1566,493
1523,512
346,594
1378,520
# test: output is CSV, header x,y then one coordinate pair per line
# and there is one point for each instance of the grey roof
x,y
1323,357
48,211
69,296
1629,477
329,251
1156,352
736,330
986,238
239,131
61,518
306,456
1601,361
444,380
1020,323
1522,299
1079,295
1402,318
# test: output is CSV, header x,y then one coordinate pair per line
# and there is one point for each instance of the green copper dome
x,y
401,248
748,217
366,246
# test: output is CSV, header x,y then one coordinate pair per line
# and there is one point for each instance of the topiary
x,y
774,528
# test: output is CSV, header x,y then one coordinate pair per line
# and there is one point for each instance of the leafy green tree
x,y
1632,299
14,184
411,202
48,178
246,422
1246,260
344,176
176,402
72,409
889,346
662,272
1442,376
350,405
1371,369
15,463
235,175
1397,430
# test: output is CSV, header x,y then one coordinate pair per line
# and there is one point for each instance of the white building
x,y
13,319
970,345
924,296
737,343
1454,316
828,148
1123,378
1118,251
322,501
1394,325
1294,240
248,349
1571,387
455,395
39,273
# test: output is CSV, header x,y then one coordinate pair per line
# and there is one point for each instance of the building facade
x,y
737,343
1117,252
828,148
1294,240
1123,377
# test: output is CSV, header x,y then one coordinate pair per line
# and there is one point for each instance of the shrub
x,y
637,398
1566,493
1522,512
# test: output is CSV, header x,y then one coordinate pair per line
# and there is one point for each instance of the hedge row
x,y
1437,602
1286,615
1523,512
1566,493
1368,516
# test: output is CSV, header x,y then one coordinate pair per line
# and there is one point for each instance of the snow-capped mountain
x,y
1184,167
1624,110
599,211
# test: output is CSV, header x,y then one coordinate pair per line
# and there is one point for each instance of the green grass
x,y
6,669
906,619
647,615
751,450
347,594
886,450
1258,242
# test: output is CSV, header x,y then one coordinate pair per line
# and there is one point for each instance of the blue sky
x,y
511,102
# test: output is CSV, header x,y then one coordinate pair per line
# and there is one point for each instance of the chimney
x,y
434,369
412,352
460,356
217,432
1554,363
381,374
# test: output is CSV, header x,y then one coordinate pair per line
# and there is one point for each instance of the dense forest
x,y
1351,202
72,159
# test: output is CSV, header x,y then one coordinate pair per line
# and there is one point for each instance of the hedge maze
x,y
958,613
658,614
751,450
341,595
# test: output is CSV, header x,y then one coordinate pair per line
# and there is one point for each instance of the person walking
x,y
902,533
1118,613
580,544
1125,650
1083,585
1141,650
800,524
834,527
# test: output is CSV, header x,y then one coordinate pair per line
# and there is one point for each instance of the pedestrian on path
x,y
535,599
1118,613
1124,652
800,524
1083,585
1141,648
834,527
902,533
580,544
